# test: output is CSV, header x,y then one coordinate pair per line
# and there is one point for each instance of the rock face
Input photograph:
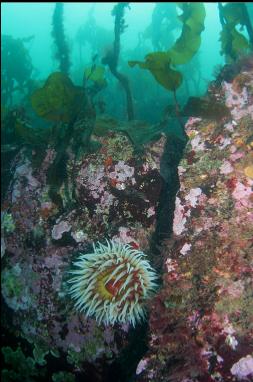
x,y
201,320
116,195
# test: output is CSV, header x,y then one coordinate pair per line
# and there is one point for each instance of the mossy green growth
x,y
39,353
207,164
11,282
22,368
90,351
63,376
58,100
8,223
15,290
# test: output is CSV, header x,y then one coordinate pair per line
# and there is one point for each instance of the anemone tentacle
x,y
112,283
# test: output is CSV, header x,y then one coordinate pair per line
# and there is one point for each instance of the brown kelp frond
x,y
58,34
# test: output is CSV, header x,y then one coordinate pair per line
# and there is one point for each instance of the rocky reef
x,y
116,192
123,189
201,320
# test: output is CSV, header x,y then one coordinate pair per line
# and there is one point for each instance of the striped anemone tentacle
x,y
112,283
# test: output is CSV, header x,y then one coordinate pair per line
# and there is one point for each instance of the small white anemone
x,y
112,283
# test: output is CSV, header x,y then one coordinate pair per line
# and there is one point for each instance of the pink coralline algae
x,y
93,179
179,218
59,229
117,194
238,101
196,143
226,168
236,155
186,247
192,121
122,173
141,366
23,171
242,195
201,320
224,142
193,196
150,211
243,368
124,236
114,187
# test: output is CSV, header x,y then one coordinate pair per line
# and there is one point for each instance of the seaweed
x,y
94,79
58,100
93,35
112,57
206,108
159,65
16,67
22,367
62,52
164,21
185,47
234,43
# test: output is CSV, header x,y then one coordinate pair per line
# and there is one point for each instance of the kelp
x,y
164,21
94,79
104,124
159,65
188,43
16,67
95,74
30,135
112,57
138,132
234,43
58,100
96,41
185,47
62,49
205,108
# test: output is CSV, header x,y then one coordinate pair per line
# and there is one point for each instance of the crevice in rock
x,y
125,365
173,153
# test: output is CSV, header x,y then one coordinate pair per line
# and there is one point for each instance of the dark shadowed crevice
x,y
173,153
124,368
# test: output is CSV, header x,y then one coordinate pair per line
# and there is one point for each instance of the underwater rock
x,y
201,320
115,192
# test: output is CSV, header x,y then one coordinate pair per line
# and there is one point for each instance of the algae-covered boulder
x,y
116,196
201,321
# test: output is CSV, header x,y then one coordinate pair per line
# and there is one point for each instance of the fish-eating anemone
x,y
112,283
